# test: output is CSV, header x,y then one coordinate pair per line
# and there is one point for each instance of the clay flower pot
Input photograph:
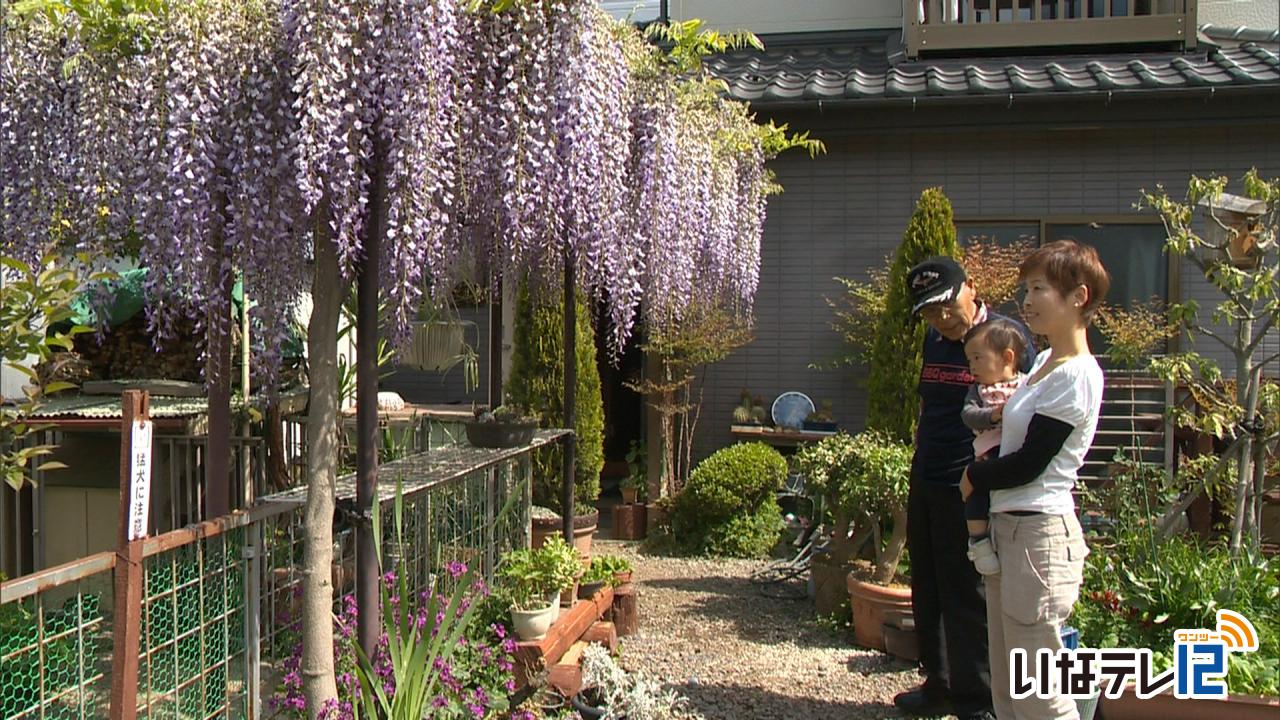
x,y
584,528
872,605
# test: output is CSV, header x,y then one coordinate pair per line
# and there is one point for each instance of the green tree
x,y
1240,260
35,321
895,353
537,383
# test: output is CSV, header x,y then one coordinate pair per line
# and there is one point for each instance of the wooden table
x,y
777,437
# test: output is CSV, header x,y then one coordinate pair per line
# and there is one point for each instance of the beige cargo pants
x,y
1041,568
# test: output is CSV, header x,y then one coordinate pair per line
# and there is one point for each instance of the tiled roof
x,y
875,69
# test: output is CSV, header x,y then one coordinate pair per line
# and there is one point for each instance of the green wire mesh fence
x,y
55,647
221,600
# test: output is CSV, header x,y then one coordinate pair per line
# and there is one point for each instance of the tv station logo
x,y
1199,667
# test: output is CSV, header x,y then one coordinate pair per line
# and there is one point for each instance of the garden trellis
x,y
306,143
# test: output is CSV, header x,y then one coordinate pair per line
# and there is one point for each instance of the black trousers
x,y
947,598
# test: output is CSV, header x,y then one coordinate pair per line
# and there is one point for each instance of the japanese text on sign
x,y
139,479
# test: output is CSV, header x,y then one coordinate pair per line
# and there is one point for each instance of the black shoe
x,y
980,715
920,702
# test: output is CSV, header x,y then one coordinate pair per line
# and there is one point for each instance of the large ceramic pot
x,y
584,528
1166,707
498,434
534,624
872,605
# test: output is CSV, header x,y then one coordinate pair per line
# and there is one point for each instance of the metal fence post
x,y
490,521
253,617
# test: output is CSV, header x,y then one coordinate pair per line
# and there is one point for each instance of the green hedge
x,y
728,506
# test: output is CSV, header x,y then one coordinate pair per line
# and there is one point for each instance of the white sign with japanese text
x,y
139,479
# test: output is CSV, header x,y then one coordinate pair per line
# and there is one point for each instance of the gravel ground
x,y
708,632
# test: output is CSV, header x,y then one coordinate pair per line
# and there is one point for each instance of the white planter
x,y
533,624
436,344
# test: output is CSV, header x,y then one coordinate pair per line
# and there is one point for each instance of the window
x,y
1133,252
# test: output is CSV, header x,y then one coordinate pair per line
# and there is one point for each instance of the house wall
x,y
843,212
786,17
1261,14
826,15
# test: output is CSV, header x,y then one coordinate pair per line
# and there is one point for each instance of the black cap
x,y
936,280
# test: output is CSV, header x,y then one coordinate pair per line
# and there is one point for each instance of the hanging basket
x,y
436,344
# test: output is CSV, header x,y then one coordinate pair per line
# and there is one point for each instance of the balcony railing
x,y
937,26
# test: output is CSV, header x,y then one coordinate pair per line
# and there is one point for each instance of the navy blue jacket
x,y
944,444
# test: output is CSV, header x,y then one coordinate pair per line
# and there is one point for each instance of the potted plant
x,y
742,414
635,485
439,337
863,480
593,580
533,591
547,523
822,419
503,427
562,564
616,569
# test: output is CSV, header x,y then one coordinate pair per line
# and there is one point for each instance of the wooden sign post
x,y
135,501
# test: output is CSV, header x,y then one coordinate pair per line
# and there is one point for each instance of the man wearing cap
x,y
946,591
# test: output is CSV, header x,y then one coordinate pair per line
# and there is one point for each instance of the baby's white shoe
x,y
983,555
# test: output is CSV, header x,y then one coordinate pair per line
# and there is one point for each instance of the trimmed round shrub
x,y
728,506
745,536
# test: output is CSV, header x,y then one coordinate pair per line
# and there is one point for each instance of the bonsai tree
x,y
1237,254
863,480
537,383
895,352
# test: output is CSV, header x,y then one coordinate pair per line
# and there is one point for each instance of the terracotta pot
x,y
622,578
871,603
1166,707
629,522
629,495
584,528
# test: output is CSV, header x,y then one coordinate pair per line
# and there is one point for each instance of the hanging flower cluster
x,y
577,135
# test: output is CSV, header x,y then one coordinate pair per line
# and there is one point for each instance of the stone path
x,y
709,633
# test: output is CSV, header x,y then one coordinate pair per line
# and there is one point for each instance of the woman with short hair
x,y
1049,424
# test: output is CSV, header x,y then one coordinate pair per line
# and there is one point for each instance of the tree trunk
x,y
318,683
887,563
1247,398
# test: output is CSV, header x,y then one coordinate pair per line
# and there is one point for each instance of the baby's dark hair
x,y
999,335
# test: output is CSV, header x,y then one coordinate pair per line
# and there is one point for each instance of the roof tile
x,y
861,70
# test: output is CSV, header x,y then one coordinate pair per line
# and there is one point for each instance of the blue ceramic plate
x,y
790,409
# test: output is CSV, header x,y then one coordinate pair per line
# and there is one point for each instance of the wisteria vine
x,y
511,133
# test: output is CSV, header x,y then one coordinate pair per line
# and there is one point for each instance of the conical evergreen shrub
x,y
892,403
537,383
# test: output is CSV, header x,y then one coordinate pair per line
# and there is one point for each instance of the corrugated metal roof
x,y
106,407
871,68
